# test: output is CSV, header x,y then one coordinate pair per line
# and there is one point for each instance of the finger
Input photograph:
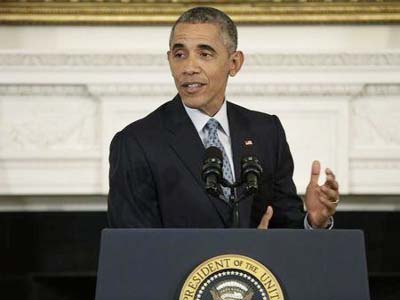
x,y
315,171
333,185
266,218
329,205
331,194
331,182
329,201
330,172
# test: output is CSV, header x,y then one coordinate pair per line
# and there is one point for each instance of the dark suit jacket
x,y
155,172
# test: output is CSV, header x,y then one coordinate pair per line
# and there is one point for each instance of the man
x,y
155,163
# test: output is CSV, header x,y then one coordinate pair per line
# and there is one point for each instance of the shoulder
x,y
150,122
148,126
140,135
253,117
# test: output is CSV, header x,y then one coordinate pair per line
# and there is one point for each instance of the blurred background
x,y
67,86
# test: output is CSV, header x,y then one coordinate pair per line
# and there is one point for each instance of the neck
x,y
212,109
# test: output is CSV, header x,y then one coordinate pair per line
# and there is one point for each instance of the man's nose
x,y
191,66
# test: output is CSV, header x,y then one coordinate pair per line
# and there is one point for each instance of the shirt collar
x,y
200,118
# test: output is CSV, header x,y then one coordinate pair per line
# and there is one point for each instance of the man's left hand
x,y
321,201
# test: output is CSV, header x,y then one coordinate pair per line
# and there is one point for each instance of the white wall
x,y
64,92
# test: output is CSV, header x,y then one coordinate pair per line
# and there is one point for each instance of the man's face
x,y
200,64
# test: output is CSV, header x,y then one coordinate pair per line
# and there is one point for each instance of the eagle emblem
x,y
232,290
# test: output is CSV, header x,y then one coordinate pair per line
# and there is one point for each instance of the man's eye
x,y
178,54
205,54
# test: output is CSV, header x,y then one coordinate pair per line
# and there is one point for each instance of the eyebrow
x,y
201,47
206,47
177,46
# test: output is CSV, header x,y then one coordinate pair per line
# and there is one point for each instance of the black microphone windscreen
x,y
248,150
213,152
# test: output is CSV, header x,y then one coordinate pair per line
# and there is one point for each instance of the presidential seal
x,y
231,277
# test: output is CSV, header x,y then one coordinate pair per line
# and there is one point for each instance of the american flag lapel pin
x,y
248,142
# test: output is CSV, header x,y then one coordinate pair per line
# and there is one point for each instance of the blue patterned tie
x,y
213,140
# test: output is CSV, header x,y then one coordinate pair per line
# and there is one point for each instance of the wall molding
x,y
238,89
74,203
317,60
46,90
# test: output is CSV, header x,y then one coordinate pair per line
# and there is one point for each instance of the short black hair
x,y
200,15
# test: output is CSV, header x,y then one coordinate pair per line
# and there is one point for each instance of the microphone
x,y
212,170
251,170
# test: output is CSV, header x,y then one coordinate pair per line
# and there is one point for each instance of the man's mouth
x,y
192,87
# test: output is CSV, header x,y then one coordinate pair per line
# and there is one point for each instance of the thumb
x,y
315,171
266,218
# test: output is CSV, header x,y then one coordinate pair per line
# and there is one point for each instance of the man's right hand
x,y
266,218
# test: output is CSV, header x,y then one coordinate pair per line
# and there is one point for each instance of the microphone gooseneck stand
x,y
234,201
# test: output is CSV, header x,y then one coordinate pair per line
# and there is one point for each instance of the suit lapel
x,y
239,133
184,139
186,142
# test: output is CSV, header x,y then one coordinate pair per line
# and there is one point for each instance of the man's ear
x,y
237,59
169,62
